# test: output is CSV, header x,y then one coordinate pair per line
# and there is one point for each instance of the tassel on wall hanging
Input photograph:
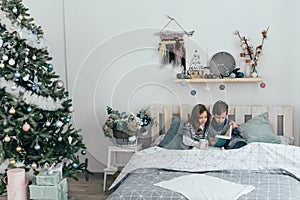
x,y
171,48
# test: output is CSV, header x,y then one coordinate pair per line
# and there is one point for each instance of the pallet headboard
x,y
281,117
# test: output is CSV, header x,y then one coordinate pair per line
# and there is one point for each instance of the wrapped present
x,y
47,192
46,178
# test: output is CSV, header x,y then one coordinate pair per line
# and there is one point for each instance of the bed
x,y
266,168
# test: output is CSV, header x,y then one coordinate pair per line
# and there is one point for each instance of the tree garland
x,y
44,103
30,38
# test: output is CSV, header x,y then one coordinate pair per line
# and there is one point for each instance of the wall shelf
x,y
222,80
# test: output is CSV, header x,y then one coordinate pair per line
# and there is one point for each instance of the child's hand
x,y
211,141
234,124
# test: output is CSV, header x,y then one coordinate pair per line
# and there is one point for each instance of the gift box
x,y
50,179
47,192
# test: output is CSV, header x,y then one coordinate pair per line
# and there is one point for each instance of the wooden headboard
x,y
281,117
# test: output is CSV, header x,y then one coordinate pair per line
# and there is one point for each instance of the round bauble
x,y
5,57
12,161
83,152
26,78
50,67
12,111
74,165
58,124
47,123
222,87
193,92
20,17
232,75
71,109
18,149
262,85
179,75
17,75
6,138
59,84
11,62
33,165
37,147
25,127
29,109
2,65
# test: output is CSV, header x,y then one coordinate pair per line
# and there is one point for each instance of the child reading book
x,y
197,126
220,124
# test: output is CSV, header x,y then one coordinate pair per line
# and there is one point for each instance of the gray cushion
x,y
172,139
259,129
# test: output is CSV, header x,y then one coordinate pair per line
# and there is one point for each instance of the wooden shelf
x,y
220,80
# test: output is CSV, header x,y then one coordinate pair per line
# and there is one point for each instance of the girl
x,y
196,127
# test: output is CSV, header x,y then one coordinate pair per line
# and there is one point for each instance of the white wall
x,y
112,59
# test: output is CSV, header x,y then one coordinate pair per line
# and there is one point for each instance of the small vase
x,y
254,72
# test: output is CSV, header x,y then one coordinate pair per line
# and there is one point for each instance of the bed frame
x,y
281,117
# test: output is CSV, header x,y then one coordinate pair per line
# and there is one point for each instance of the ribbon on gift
x,y
53,168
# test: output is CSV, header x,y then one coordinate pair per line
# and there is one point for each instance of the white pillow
x,y
288,140
200,186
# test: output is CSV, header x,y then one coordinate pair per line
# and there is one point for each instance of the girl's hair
x,y
194,118
220,107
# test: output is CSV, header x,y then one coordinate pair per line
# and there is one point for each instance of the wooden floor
x,y
85,190
88,190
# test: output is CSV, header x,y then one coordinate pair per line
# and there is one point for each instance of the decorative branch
x,y
248,49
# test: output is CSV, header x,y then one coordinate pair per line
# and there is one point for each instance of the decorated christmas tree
x,y
35,109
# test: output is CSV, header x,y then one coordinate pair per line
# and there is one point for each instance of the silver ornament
x,y
59,84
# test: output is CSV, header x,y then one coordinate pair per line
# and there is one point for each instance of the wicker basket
x,y
123,139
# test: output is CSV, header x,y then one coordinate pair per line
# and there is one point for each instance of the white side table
x,y
112,165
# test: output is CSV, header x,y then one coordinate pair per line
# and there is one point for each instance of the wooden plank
x,y
288,121
273,113
185,111
168,114
257,110
241,112
154,112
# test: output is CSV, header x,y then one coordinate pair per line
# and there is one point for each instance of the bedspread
x,y
274,185
254,156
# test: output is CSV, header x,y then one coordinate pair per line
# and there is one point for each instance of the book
x,y
221,140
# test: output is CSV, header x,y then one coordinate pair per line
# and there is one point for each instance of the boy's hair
x,y
220,107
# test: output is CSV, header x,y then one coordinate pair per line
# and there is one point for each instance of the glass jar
x,y
248,68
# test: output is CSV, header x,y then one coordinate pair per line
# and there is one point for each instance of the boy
x,y
220,124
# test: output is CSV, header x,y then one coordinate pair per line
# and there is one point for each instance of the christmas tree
x,y
35,110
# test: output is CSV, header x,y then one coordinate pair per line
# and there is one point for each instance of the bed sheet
x,y
271,184
254,156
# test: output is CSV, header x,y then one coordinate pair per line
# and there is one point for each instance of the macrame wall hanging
x,y
172,48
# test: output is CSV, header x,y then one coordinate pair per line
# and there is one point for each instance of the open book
x,y
220,140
